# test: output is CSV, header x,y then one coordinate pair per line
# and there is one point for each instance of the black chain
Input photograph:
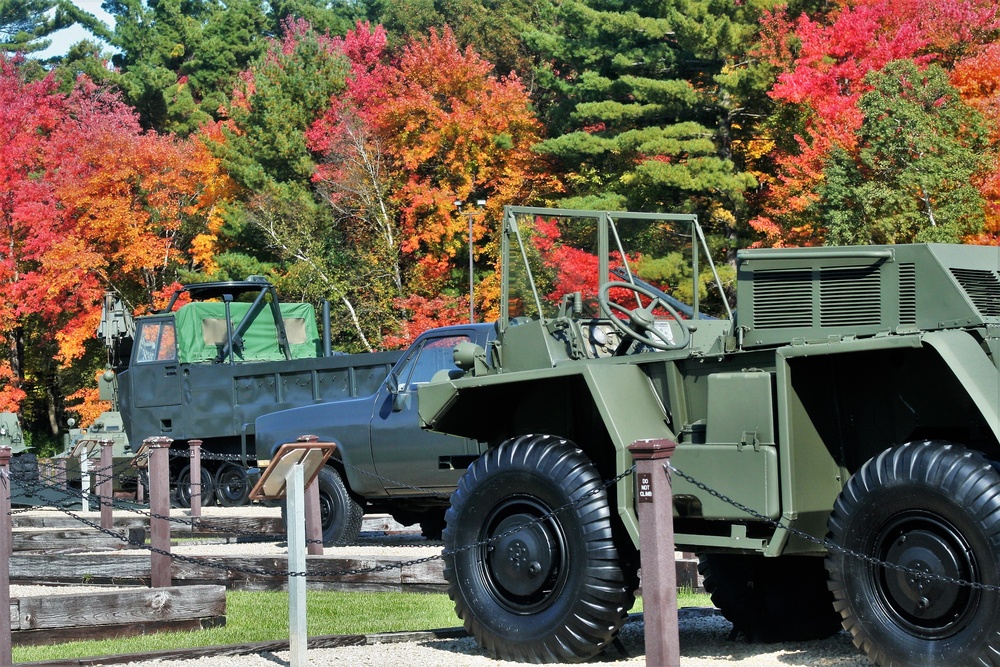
x,y
830,546
342,573
207,455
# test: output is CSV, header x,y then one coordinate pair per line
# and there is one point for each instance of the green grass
x,y
263,616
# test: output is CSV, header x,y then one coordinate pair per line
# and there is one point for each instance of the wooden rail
x,y
118,613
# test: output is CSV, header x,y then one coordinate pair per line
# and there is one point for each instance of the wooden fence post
x,y
107,485
6,548
314,522
159,510
655,506
194,452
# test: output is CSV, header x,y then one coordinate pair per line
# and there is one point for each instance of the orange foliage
x,y
87,405
458,133
11,393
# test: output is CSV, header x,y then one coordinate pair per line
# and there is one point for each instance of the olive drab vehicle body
x,y
842,412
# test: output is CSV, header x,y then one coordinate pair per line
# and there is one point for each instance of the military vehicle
x,y
23,462
838,439
207,369
384,462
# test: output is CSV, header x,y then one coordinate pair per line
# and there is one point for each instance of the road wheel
x,y
771,599
931,507
231,486
340,514
182,492
529,586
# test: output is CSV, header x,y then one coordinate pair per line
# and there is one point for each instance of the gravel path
x,y
703,640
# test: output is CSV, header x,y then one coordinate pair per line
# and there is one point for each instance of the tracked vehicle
x,y
837,430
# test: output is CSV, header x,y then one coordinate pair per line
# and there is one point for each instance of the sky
x,y
62,40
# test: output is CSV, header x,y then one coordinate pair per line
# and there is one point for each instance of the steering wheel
x,y
641,323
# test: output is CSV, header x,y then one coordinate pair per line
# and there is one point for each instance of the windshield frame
x,y
607,232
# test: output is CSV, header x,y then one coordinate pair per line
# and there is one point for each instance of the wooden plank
x,y
121,607
83,633
66,541
62,521
134,567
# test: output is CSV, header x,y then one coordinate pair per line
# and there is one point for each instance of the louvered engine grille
x,y
850,297
907,294
982,287
782,299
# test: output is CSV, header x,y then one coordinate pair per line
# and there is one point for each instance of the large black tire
x,y
553,591
231,486
771,599
182,490
340,514
932,507
432,524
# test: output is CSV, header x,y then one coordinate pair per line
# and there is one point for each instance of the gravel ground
x,y
703,643
703,638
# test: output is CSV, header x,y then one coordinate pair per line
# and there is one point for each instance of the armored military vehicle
x,y
23,462
838,439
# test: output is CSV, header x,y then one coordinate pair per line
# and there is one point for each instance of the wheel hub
x,y
521,559
928,606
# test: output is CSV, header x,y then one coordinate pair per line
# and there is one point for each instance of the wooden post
x,y
195,455
654,500
139,490
6,548
159,510
106,491
314,521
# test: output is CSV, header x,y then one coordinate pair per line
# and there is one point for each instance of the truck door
x,y
401,450
155,380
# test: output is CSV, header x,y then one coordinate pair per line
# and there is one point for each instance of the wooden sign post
x,y
285,477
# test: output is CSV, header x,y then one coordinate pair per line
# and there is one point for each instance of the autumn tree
x,y
825,75
919,148
494,29
93,203
264,149
443,129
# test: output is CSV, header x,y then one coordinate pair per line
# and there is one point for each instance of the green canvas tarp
x,y
201,332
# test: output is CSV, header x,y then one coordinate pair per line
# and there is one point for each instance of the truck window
x,y
434,355
156,342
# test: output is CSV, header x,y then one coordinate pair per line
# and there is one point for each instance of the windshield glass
x,y
551,255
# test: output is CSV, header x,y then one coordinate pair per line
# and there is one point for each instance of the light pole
x,y
480,203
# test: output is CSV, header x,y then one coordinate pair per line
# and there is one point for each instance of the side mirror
x,y
400,401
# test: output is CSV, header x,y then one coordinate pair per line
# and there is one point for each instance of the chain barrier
x,y
206,455
830,546
31,485
114,503
202,561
